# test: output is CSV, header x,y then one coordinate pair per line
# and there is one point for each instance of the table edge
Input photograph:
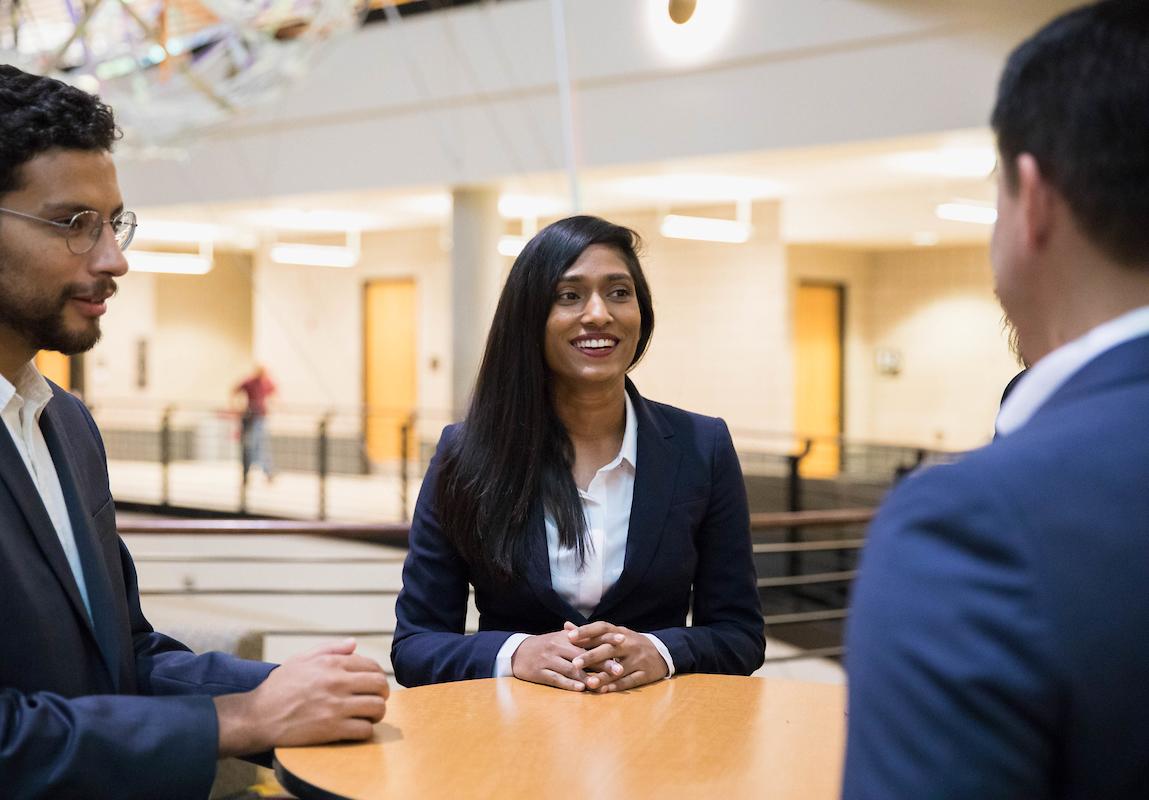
x,y
301,788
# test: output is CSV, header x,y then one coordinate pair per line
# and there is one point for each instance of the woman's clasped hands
x,y
599,657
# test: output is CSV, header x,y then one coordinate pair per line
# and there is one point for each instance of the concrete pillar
x,y
477,274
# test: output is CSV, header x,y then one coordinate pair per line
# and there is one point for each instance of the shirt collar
x,y
1052,372
629,450
30,387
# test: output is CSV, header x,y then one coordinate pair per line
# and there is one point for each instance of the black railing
x,y
809,620
352,464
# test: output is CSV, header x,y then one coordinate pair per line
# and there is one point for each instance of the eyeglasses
x,y
83,230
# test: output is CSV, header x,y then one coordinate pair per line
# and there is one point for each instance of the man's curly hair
x,y
38,114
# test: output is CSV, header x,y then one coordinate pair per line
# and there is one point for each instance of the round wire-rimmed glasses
x,y
83,230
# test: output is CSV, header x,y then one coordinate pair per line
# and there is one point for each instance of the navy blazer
x,y
998,643
81,712
687,551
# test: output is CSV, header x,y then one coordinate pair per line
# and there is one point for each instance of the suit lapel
x,y
654,482
15,475
539,569
91,560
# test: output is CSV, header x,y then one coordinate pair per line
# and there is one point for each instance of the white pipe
x,y
566,101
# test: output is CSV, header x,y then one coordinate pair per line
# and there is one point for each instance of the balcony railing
x,y
805,563
366,465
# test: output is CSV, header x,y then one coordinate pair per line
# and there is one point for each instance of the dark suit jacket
x,y
100,708
999,642
688,549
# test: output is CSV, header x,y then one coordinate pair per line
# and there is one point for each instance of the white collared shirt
x,y
606,506
20,406
1049,374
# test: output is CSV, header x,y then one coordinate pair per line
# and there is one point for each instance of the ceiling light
x,y
681,11
962,211
172,263
705,229
525,205
318,255
314,255
153,230
925,238
950,162
685,187
435,204
694,35
511,246
320,221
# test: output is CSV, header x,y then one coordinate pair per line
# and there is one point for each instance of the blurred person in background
x,y
590,520
256,389
93,702
996,647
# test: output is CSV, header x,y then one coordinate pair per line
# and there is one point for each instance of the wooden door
x,y
818,372
389,366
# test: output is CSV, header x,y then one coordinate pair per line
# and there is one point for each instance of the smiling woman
x,y
589,520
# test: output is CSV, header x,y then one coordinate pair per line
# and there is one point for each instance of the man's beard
x,y
1013,340
40,321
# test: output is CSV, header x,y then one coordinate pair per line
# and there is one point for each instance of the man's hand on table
x,y
615,658
327,695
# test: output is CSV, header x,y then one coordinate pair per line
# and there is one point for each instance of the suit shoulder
x,y
70,409
62,396
681,420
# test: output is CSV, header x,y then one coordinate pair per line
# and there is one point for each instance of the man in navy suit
x,y
998,643
93,702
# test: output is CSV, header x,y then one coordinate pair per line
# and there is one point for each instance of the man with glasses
x,y
93,702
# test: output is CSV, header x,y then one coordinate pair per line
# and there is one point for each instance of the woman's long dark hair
x,y
513,450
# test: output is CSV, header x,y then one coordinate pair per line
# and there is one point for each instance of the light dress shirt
x,y
21,406
1050,373
606,507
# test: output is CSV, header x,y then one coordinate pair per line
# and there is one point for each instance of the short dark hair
x,y
1075,96
39,114
513,450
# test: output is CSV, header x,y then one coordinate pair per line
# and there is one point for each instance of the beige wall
x,y
936,307
309,322
722,344
202,339
198,330
131,318
721,323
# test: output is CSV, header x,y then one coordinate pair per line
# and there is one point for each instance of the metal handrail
x,y
808,547
375,531
810,519
807,580
397,534
394,534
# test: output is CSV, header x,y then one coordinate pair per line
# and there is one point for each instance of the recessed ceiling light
x,y
699,188
699,33
318,220
964,211
705,229
950,162
681,11
526,205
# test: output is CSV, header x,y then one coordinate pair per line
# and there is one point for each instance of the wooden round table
x,y
705,736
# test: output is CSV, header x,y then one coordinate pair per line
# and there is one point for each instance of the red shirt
x,y
257,389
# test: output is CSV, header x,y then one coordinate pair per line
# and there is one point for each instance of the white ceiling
x,y
873,194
